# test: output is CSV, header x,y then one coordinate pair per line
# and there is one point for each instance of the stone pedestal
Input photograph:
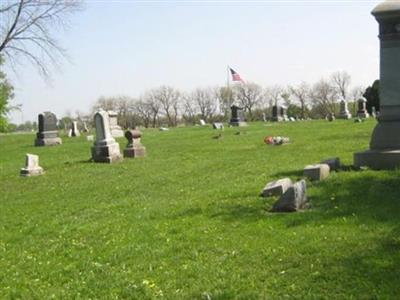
x,y
32,167
115,129
47,134
134,148
362,108
105,148
384,152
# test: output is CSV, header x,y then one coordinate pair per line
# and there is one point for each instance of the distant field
x,y
186,222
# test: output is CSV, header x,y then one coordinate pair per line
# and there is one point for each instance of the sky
x,y
123,48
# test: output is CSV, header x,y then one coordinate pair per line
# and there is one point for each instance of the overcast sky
x,y
125,47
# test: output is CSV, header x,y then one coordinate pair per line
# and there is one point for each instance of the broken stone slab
x,y
277,187
316,172
294,199
32,167
333,163
218,125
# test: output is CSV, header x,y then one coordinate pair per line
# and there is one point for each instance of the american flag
x,y
236,76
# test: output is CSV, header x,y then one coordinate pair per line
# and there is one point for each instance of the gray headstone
x,y
276,188
217,125
294,199
47,134
344,111
32,167
237,116
115,129
316,172
384,152
105,148
333,163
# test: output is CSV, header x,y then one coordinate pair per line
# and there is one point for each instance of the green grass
x,y
186,222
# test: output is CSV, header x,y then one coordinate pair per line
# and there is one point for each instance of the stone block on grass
x,y
277,187
333,163
316,172
294,199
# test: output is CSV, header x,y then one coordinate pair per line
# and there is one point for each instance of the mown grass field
x,y
187,222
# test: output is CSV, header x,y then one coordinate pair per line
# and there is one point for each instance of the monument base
x,y
106,153
48,141
378,159
31,172
135,152
238,124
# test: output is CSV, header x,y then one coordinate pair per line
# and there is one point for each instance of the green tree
x,y
6,94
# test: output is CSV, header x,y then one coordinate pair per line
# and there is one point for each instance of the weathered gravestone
x,y
134,148
384,152
218,125
202,122
276,114
316,172
47,134
105,148
32,167
284,113
362,108
333,163
276,188
344,111
85,128
115,129
237,116
294,199
74,131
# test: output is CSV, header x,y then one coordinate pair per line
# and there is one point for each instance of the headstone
x,y
284,113
362,108
115,129
134,148
384,152
330,117
48,133
333,163
294,199
164,129
237,116
74,131
85,128
217,125
105,148
32,167
90,138
276,188
291,119
264,117
316,172
202,122
344,111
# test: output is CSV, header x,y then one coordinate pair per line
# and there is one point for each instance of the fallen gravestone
x,y
333,163
276,188
105,148
134,148
316,172
294,199
164,129
32,167
217,125
47,134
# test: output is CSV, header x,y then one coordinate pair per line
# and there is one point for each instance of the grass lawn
x,y
186,222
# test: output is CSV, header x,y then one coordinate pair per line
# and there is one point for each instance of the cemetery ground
x,y
187,222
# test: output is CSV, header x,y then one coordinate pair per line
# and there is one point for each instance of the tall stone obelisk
x,y
384,150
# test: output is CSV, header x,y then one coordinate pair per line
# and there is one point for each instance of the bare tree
x,y
225,98
205,101
301,93
340,81
324,95
144,110
26,30
189,108
168,98
273,94
249,96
